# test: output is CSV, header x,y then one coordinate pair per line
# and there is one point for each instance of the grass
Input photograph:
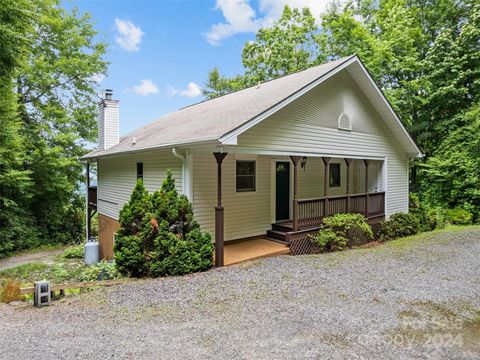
x,y
60,271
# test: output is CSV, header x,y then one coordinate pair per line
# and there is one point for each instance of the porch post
x,y
326,162
367,199
88,218
348,162
295,160
219,216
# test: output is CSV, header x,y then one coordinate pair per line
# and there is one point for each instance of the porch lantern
x,y
303,163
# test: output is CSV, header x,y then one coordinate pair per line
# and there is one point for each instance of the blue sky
x,y
161,50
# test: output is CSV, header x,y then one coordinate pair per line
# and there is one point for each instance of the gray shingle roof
x,y
209,120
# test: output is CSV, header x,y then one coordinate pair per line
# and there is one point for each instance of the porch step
x,y
277,235
283,226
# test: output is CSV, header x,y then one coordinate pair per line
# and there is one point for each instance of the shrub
x,y
159,235
104,270
74,252
437,218
418,210
10,291
459,216
343,230
399,225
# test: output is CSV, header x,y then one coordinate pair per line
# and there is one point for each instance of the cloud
x,y
129,35
146,87
240,17
192,91
98,78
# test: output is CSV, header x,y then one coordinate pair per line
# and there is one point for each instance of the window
x,y
245,176
140,170
334,175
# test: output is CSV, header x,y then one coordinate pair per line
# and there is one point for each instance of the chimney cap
x,y
108,94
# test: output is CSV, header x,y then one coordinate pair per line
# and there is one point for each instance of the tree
x,y
56,97
159,236
15,25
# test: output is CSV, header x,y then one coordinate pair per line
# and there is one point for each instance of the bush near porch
x,y
341,231
158,235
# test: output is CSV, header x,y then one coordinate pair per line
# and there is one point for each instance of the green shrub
x,y
417,209
459,216
437,218
74,252
343,230
104,270
158,235
399,225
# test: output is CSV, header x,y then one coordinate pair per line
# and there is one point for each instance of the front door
x,y
282,197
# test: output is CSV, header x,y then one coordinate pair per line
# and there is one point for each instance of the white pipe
x,y
181,157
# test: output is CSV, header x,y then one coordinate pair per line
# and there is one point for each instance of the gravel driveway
x,y
417,299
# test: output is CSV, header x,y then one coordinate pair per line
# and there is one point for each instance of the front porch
x,y
299,198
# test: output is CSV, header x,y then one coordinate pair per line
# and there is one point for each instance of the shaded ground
x,y
413,298
43,256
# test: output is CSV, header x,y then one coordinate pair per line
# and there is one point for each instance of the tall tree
x,y
15,25
56,97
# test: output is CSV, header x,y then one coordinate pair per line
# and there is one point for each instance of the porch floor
x,y
249,249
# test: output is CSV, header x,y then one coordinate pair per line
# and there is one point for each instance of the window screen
x,y
140,170
245,176
334,175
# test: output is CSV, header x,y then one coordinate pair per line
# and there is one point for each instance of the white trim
x,y
259,151
385,186
408,184
257,119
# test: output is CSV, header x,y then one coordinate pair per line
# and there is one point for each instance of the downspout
x,y
181,157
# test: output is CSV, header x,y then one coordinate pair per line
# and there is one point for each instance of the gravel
x,y
408,299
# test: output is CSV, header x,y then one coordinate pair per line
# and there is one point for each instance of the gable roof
x,y
223,118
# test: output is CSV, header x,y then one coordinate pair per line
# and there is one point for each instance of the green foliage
x,y
342,230
74,252
459,216
418,210
48,57
399,225
327,240
104,270
158,235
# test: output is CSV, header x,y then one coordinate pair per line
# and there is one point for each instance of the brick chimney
x,y
108,121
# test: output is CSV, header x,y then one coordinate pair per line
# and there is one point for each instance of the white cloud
x,y
129,35
146,87
192,91
98,78
240,17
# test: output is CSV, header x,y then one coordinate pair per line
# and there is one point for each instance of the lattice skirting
x,y
301,244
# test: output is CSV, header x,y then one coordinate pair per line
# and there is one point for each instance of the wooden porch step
x,y
278,236
283,226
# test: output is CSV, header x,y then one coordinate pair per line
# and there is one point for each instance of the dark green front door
x,y
282,191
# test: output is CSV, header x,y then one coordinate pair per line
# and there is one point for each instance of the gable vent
x,y
344,121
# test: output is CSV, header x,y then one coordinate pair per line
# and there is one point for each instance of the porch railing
x,y
310,212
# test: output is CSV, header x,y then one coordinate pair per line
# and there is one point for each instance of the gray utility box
x,y
42,294
92,251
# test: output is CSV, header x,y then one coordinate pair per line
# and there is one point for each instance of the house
x,y
272,159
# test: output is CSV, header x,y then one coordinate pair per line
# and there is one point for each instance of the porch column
x,y
219,216
295,160
367,199
326,162
348,162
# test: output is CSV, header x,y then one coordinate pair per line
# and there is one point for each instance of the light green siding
x,y
117,177
310,125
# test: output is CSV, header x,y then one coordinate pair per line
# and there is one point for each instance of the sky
x,y
160,51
